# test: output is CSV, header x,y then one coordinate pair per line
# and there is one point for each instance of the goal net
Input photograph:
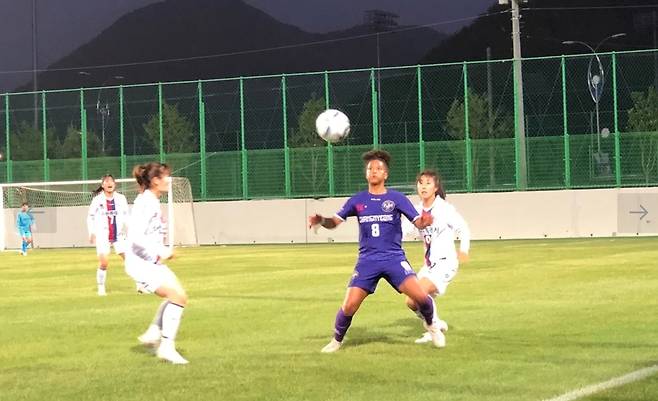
x,y
60,211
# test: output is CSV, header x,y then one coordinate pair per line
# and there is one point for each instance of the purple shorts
x,y
367,273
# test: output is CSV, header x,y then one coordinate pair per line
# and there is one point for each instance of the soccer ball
x,y
332,125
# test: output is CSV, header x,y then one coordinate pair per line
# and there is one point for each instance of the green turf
x,y
529,320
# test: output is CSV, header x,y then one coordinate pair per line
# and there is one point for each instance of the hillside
x,y
180,29
543,31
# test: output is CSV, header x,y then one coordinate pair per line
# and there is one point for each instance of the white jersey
x,y
439,238
107,217
147,229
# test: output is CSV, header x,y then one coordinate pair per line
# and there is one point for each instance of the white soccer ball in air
x,y
332,125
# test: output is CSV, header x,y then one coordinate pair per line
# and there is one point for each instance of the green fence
x,y
253,137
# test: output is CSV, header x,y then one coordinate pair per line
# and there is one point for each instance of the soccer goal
x,y
60,211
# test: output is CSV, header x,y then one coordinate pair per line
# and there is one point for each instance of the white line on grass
x,y
612,383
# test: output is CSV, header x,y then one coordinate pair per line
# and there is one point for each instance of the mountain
x,y
224,38
543,31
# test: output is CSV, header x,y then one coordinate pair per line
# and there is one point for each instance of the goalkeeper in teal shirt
x,y
24,222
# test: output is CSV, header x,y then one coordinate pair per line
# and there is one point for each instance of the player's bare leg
x,y
412,289
429,287
353,299
101,274
171,318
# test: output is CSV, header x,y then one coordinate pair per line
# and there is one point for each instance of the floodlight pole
x,y
595,82
522,171
104,109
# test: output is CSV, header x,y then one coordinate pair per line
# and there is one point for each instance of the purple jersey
x,y
380,231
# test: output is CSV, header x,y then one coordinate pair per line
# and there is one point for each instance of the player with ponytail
x,y
145,259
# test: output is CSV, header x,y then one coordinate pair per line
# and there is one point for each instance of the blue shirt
x,y
24,221
380,230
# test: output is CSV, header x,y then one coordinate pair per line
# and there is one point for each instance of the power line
x,y
262,50
589,8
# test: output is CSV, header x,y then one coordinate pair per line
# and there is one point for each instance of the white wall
x,y
507,215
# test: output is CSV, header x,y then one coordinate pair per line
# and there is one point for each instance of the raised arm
x,y
464,233
326,222
91,216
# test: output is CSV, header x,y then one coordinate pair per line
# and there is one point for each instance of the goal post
x,y
60,211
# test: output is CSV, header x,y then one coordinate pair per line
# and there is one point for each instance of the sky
x,y
324,16
64,25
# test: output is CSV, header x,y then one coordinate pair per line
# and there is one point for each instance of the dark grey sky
x,y
324,15
64,25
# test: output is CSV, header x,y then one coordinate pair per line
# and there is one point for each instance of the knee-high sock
x,y
24,246
427,310
171,317
100,277
343,323
157,319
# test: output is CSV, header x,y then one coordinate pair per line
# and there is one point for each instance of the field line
x,y
606,385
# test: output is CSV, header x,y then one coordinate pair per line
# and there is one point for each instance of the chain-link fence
x,y
582,126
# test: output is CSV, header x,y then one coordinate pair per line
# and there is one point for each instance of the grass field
x,y
529,320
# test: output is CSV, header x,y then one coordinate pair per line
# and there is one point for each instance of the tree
x,y
643,119
481,126
179,135
26,142
71,145
304,136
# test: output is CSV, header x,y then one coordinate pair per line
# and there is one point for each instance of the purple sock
x,y
427,310
342,324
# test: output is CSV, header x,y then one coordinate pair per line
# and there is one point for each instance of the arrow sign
x,y
643,212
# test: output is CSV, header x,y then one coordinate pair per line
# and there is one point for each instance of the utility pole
x,y
490,119
519,122
522,169
35,85
655,45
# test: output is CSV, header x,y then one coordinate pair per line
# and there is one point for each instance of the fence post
x,y
330,148
202,141
243,147
46,166
286,150
421,140
467,133
83,136
375,111
160,125
565,126
616,119
122,144
8,141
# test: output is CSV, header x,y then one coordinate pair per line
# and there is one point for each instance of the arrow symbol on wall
x,y
643,212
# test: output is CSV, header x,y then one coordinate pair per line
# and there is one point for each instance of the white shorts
x,y
150,276
440,274
103,247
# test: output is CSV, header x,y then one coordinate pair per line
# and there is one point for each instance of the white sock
x,y
436,312
100,277
157,319
153,329
171,317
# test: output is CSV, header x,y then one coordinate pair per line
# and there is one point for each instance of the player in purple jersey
x,y
378,211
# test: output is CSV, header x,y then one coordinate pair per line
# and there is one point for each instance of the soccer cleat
x,y
438,338
151,336
169,354
425,338
23,253
101,292
333,346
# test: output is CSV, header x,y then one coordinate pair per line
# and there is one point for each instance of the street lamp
x,y
104,109
596,81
